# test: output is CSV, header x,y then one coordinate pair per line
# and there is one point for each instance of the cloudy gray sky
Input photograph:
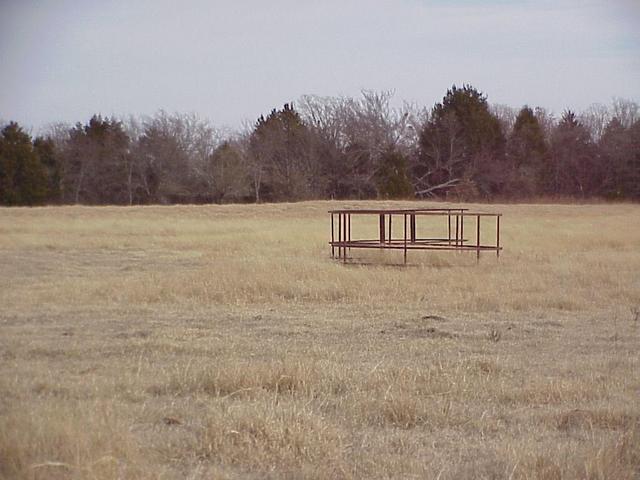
x,y
230,61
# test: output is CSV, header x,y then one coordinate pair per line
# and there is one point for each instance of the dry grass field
x,y
223,342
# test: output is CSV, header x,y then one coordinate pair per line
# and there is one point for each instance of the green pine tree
x,y
46,151
575,170
391,177
23,179
280,146
462,139
527,155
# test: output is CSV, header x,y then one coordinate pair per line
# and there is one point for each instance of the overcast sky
x,y
230,61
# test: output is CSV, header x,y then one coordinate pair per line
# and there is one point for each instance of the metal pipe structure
x,y
410,240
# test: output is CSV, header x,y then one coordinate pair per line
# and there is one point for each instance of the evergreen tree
x,y
97,165
632,177
281,149
620,159
575,170
391,177
46,151
462,139
614,150
227,176
23,179
527,155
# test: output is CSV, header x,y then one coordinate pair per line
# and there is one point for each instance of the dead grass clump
x,y
494,335
397,411
406,410
619,460
486,367
413,331
251,379
616,458
62,440
578,419
545,469
542,391
479,465
49,389
52,353
413,397
254,434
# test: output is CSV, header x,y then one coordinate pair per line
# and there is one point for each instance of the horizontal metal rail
x,y
413,246
400,241
397,211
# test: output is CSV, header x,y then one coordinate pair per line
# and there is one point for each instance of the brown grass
x,y
222,342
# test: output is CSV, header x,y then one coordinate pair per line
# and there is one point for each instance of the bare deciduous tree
x,y
176,150
507,116
627,111
595,119
358,133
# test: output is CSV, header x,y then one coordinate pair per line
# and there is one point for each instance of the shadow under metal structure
x,y
342,240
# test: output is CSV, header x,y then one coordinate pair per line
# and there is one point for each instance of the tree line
x,y
331,147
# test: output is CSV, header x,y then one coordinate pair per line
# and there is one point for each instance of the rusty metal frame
x,y
454,241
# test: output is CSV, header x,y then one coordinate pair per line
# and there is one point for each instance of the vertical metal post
x,y
333,249
405,238
449,224
478,238
339,235
498,236
390,235
412,225
381,228
349,230
462,229
457,228
344,235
